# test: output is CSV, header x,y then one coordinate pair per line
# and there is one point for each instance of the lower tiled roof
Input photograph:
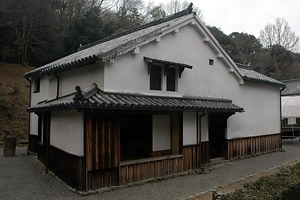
x,y
119,101
253,76
292,87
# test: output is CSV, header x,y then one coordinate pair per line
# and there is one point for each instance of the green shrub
x,y
285,185
9,109
15,90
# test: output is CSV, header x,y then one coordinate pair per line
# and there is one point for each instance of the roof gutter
x,y
51,69
280,116
263,82
29,115
57,84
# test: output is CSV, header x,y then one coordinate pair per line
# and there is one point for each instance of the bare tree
x,y
279,34
175,6
130,14
32,25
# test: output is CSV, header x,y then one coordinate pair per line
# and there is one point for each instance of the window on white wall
x,y
164,74
171,79
157,80
36,84
155,77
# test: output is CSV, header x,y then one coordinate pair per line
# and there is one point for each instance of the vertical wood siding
x,y
191,157
130,173
69,168
205,153
153,168
102,178
41,153
102,151
33,143
243,147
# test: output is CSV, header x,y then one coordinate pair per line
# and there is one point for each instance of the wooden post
x,y
9,146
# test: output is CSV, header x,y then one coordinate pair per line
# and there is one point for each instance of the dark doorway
x,y
43,136
136,136
218,142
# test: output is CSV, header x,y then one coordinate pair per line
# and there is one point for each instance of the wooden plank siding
x,y
205,153
69,168
33,143
191,157
135,171
102,151
41,153
243,147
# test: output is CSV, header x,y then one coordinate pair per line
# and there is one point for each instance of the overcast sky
x,y
248,16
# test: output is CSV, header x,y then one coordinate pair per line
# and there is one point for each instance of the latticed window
x,y
36,84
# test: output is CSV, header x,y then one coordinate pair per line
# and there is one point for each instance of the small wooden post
x,y
10,146
213,194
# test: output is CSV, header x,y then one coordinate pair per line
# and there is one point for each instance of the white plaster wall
x,y
33,124
262,112
189,128
290,106
35,99
291,120
161,132
204,129
129,73
52,87
67,131
82,77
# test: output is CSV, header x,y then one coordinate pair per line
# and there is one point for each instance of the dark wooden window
x,y
36,84
211,62
171,79
155,77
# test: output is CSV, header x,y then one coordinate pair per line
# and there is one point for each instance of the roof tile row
x,y
105,100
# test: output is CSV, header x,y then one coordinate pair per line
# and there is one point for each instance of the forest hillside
x,y
14,100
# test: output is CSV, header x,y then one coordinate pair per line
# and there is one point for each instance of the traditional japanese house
x,y
156,100
290,97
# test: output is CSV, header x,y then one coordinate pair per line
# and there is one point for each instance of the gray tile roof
x,y
99,99
110,47
253,76
292,87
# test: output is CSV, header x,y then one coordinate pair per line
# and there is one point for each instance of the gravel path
x,y
23,177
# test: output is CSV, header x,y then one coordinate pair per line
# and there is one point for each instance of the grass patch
x,y
285,185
